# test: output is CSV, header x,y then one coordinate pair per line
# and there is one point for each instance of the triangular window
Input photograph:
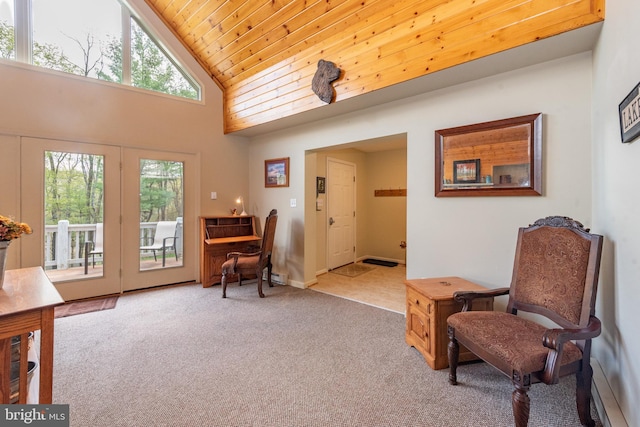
x,y
87,38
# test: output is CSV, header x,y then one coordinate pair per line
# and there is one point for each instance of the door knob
x,y
331,221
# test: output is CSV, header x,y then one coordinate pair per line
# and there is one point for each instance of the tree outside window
x,y
86,38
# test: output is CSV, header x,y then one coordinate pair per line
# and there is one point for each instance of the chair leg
x,y
520,402
583,395
223,282
269,267
260,285
453,351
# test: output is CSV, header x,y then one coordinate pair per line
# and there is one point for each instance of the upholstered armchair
x,y
555,276
252,262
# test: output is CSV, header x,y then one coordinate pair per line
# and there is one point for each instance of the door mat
x,y
380,262
87,306
352,270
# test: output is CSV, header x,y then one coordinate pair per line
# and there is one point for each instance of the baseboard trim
x,y
603,398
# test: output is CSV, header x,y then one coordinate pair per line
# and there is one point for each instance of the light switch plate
x,y
293,203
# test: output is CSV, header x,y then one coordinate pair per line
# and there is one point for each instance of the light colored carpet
x,y
183,356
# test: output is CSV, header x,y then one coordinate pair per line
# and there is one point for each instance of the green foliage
x,y
150,67
52,57
113,51
161,193
7,41
74,188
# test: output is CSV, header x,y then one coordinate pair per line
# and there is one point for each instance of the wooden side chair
x,y
555,275
254,262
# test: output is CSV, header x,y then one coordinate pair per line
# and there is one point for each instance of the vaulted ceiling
x,y
264,53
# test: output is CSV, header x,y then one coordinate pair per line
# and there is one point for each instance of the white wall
x,y
386,216
616,206
438,229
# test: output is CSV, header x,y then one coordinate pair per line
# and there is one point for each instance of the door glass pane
x,y
161,213
73,207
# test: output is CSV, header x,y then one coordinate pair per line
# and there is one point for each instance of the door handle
x,y
331,221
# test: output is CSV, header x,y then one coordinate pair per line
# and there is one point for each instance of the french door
x,y
153,175
84,202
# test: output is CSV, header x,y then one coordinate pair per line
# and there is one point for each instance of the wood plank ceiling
x,y
263,53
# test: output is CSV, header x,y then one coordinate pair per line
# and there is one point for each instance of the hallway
x,y
381,287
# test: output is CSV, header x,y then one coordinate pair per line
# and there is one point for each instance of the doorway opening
x,y
380,222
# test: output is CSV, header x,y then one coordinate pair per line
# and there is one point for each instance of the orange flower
x,y
10,229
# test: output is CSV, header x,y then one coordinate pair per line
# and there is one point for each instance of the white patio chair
x,y
163,239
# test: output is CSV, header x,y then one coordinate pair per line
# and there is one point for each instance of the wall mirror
x,y
498,158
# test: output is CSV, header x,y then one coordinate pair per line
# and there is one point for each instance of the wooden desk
x,y
429,303
27,302
219,236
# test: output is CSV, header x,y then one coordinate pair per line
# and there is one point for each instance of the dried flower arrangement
x,y
10,229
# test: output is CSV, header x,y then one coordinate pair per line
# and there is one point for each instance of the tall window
x,y
86,38
7,33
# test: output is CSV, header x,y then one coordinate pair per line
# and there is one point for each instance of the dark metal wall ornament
x,y
629,112
326,73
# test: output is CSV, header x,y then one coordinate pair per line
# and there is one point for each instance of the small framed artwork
x,y
466,171
629,113
320,184
276,172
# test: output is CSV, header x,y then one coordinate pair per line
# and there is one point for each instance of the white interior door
x,y
70,192
151,176
340,213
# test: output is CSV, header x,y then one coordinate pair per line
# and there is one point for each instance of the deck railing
x,y
64,243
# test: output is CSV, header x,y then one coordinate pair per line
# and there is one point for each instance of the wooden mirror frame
x,y
498,158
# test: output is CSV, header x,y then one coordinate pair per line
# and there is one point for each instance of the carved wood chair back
x,y
252,263
555,275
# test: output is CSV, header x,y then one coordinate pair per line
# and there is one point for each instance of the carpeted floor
x,y
86,306
183,356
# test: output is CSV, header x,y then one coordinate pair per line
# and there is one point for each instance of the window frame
x,y
23,30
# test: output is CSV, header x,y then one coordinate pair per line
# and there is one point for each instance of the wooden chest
x,y
429,303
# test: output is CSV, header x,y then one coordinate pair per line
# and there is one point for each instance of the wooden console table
x,y
429,303
27,302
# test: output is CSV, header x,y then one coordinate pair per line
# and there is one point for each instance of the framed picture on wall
x,y
629,113
466,171
276,172
320,184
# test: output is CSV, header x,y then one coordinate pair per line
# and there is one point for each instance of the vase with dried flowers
x,y
9,230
